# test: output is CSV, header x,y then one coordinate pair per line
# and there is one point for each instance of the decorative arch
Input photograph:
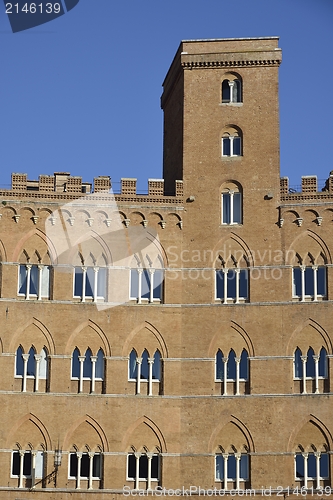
x,y
225,420
88,235
317,423
129,341
294,247
154,428
35,231
3,253
35,420
15,340
96,426
214,344
321,331
71,341
221,249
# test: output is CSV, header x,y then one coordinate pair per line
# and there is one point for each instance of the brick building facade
x,y
181,338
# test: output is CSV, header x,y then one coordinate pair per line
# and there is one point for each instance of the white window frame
x,y
237,299
315,296
231,145
150,378
231,84
231,194
307,478
94,286
147,300
37,462
93,378
40,270
238,477
90,478
147,479
37,377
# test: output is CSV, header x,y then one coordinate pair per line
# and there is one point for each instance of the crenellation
x,y
128,186
102,183
309,184
155,187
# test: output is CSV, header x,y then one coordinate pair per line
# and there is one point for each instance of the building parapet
x,y
308,190
62,186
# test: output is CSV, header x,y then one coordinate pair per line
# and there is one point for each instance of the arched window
x,y
143,467
132,365
311,367
144,369
231,91
231,284
144,365
232,142
146,280
323,363
231,370
157,366
43,365
75,363
298,367
100,365
86,466
31,366
90,282
19,365
312,467
219,368
231,469
87,368
309,283
244,366
231,205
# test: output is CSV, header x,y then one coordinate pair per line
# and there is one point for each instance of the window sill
x,y
234,104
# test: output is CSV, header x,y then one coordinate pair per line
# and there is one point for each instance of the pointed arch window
x,y
231,369
34,281
312,468
27,464
31,366
90,283
310,366
146,282
231,285
143,467
86,466
144,368
309,283
87,367
231,469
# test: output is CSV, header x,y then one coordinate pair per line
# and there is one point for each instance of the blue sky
x,y
82,93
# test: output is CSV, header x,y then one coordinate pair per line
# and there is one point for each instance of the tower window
x,y
231,207
231,91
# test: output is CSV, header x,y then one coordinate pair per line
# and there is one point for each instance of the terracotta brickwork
x,y
179,339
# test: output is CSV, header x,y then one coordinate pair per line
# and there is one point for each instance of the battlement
x,y
61,185
308,190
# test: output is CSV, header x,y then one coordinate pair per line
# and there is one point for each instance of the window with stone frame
x,y
27,466
232,280
31,365
232,371
86,466
309,281
87,367
231,142
144,369
146,279
34,271
231,204
231,89
144,469
311,369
